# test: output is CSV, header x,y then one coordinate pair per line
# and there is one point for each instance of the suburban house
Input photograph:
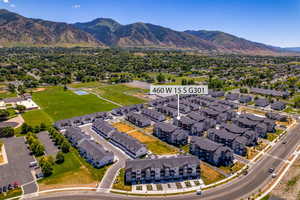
x,y
245,99
95,154
184,123
278,105
153,115
75,135
81,120
217,93
103,128
276,116
196,116
232,96
126,109
198,128
138,119
211,152
167,110
183,108
128,144
261,102
234,141
24,100
170,133
162,169
274,93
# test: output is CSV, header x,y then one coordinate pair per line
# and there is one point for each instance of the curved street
x,y
239,188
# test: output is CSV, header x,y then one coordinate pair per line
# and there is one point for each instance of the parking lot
x,y
17,169
50,148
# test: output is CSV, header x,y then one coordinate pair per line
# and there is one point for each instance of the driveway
x,y
111,173
17,169
50,148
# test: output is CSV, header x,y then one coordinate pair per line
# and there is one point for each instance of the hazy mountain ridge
x,y
16,29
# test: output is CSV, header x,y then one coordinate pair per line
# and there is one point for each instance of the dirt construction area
x,y
289,186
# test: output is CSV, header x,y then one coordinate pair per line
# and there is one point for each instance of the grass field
x,y
10,194
36,117
119,183
210,175
121,94
233,168
85,85
60,104
153,144
177,79
73,172
7,95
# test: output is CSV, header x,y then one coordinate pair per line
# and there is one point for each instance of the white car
x,y
274,175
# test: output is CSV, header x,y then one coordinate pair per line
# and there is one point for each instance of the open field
x,y
153,144
209,175
233,168
60,104
119,183
123,127
177,79
121,94
85,85
73,172
289,186
36,117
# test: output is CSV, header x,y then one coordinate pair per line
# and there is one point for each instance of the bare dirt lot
x,y
289,186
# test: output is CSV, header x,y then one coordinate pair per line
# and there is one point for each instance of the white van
x,y
33,164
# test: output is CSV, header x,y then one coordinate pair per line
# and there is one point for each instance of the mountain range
x,y
18,30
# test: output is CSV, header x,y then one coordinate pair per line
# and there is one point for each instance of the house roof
x,y
205,144
165,127
95,150
127,141
169,162
233,128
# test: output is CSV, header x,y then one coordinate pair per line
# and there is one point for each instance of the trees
x,y
65,147
34,144
11,88
7,132
60,158
20,108
160,78
46,167
4,114
25,128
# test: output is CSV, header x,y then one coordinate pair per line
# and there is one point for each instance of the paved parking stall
x,y
50,148
17,169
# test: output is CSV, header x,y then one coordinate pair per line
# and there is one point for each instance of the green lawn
x,y
178,79
36,117
10,194
85,85
73,171
121,94
119,183
7,95
60,104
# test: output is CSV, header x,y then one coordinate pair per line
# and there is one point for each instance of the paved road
x,y
113,170
237,189
17,169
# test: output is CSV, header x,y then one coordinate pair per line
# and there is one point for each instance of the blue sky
x,y
274,22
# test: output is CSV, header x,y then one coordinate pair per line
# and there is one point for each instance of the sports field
x,y
60,104
121,94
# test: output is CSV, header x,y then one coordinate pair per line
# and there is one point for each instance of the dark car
x,y
4,189
9,187
271,170
0,190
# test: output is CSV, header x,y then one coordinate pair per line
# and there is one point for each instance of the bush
x,y
7,132
25,128
60,158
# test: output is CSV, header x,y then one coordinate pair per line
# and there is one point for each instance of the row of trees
x,y
35,146
47,162
6,132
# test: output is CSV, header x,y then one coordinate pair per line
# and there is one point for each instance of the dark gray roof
x,y
165,127
205,144
196,116
171,162
76,134
261,102
103,126
130,143
270,92
233,128
96,151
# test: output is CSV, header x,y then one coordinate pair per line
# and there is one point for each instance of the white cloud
x,y
6,1
76,6
12,5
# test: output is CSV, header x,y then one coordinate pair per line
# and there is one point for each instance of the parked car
x,y
9,187
271,170
4,189
33,164
199,192
274,175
